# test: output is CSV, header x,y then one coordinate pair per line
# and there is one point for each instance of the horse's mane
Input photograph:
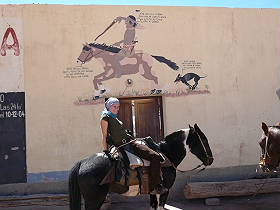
x,y
105,47
113,49
173,147
175,137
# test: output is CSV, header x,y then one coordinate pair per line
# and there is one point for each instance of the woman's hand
x,y
119,19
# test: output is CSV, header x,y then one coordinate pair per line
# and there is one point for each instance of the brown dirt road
x,y
60,202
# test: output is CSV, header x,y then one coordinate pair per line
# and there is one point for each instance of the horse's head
x,y
199,146
174,145
270,145
86,54
96,50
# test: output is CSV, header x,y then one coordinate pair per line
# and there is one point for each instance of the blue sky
x,y
210,3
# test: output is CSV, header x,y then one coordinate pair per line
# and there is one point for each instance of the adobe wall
x,y
236,49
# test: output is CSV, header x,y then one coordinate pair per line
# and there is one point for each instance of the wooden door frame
x,y
160,104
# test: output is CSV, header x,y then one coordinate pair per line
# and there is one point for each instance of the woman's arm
x,y
104,129
118,43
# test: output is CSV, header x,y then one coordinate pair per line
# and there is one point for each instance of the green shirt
x,y
116,130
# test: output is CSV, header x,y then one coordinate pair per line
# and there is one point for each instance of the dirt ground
x,y
60,202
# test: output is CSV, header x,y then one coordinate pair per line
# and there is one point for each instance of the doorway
x,y
143,116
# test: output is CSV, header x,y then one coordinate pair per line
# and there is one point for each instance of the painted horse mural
x,y
86,178
137,63
270,145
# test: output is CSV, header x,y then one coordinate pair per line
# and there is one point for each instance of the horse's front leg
x,y
97,80
162,200
153,202
157,202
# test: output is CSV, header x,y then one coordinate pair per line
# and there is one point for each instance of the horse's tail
x,y
74,190
169,63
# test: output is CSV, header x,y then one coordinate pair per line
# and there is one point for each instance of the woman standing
x,y
114,133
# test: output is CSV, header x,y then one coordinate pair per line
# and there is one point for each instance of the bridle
x,y
93,55
265,155
182,171
204,148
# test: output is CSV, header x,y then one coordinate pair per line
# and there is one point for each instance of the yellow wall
x,y
11,66
238,50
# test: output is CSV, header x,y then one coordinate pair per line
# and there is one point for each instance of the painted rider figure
x,y
128,42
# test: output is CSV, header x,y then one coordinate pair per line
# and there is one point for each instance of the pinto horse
x,y
114,68
270,145
86,176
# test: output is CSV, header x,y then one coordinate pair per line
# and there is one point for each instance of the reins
x,y
185,171
205,151
265,148
124,144
182,171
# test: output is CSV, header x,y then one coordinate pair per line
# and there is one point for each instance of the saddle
x,y
136,172
135,161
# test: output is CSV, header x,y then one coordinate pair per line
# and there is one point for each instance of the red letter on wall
x,y
5,46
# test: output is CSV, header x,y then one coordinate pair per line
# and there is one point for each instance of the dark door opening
x,y
143,116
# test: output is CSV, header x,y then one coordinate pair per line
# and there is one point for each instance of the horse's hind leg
x,y
162,200
94,196
153,202
148,73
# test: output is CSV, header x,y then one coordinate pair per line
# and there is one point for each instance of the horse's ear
x,y
265,128
196,127
191,128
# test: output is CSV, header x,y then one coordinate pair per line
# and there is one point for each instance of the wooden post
x,y
231,188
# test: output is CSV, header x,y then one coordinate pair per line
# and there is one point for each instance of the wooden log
x,y
231,188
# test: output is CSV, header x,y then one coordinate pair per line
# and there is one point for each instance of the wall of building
x,y
236,49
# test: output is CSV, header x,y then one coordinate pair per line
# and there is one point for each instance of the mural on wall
x,y
123,59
